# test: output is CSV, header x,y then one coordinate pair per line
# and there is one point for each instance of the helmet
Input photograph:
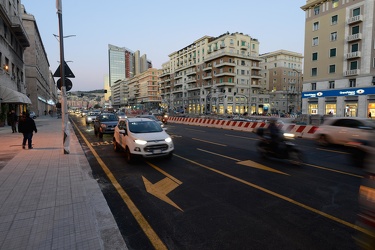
x,y
273,120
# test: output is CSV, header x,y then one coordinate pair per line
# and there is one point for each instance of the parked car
x,y
32,114
341,130
84,113
152,117
90,117
142,137
105,123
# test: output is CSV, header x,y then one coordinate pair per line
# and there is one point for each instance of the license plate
x,y
157,151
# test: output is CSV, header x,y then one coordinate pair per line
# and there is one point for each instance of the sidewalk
x,y
48,199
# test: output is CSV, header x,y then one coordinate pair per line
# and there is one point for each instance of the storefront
x,y
351,102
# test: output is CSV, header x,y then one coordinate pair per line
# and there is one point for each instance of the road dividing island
x,y
302,131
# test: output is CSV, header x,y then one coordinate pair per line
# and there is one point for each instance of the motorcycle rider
x,y
274,132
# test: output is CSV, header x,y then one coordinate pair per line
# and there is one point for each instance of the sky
x,y
157,28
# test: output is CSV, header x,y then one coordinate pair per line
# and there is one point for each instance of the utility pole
x,y
64,107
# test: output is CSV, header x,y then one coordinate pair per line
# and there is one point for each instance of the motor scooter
x,y
164,119
283,148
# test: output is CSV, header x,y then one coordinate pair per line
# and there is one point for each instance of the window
x,y
316,10
355,30
332,68
315,41
332,52
333,36
356,12
316,26
315,56
313,86
314,72
331,84
354,47
334,20
335,3
352,83
353,65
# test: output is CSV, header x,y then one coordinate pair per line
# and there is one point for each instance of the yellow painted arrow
x,y
161,189
259,166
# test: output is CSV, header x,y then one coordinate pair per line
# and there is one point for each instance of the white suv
x,y
142,137
341,130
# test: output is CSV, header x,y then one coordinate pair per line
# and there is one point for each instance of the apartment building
x,y
339,65
215,75
143,91
282,74
13,42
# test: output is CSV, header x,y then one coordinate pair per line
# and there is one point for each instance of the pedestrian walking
x,y
26,126
369,115
13,121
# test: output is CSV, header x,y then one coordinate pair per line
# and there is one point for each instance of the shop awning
x,y
8,95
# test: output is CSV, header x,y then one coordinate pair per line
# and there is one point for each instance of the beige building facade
x,y
215,75
339,60
282,74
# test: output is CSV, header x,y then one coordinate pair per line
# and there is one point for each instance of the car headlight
x,y
169,139
141,142
288,135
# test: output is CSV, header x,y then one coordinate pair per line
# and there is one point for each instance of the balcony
x,y
352,72
191,80
178,76
352,55
207,76
222,64
208,67
190,72
354,37
355,19
256,75
225,74
20,31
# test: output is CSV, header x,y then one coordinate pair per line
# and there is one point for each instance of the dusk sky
x,y
157,28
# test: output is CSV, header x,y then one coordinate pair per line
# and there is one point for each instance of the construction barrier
x,y
302,131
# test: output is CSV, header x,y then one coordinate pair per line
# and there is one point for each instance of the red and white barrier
x,y
303,131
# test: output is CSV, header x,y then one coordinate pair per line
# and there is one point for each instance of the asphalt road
x,y
217,193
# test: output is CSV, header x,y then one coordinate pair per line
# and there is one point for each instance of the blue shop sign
x,y
339,92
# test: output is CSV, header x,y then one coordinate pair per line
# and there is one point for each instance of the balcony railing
x,y
355,19
353,55
354,37
352,72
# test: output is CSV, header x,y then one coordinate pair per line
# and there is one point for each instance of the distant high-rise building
x,y
123,64
339,65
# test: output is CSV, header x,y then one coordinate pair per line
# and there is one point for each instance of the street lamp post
x,y
66,132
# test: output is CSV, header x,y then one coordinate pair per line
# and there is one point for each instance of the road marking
x,y
197,130
242,137
161,189
143,223
334,151
333,170
311,209
247,163
209,142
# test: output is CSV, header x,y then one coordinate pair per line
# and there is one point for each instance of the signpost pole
x,y
64,107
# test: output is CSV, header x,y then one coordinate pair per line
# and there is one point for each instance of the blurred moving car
x,y
90,117
152,117
341,130
105,123
366,197
142,137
